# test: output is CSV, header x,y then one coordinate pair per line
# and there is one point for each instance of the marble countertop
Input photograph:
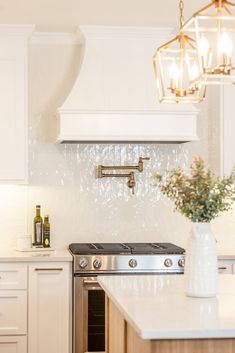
x,y
35,256
157,308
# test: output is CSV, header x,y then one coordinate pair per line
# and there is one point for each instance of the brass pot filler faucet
x,y
131,175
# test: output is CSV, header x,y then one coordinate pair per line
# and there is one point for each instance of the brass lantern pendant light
x,y
213,28
176,66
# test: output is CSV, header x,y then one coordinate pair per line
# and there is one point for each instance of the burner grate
x,y
125,248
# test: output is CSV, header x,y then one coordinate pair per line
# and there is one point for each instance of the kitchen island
x,y
152,314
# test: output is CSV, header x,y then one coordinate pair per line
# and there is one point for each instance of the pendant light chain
x,y
181,7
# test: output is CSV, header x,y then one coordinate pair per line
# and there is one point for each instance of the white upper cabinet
x,y
222,128
228,129
14,103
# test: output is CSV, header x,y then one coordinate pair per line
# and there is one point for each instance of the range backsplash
x,y
84,208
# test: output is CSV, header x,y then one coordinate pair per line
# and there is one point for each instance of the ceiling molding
x,y
16,30
75,38
130,31
55,38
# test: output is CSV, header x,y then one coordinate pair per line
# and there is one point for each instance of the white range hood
x,y
114,97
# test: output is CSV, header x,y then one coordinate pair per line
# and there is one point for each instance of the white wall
x,y
13,211
61,177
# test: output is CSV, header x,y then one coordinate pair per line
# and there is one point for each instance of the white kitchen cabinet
x,y
222,128
13,276
13,312
49,308
228,128
226,266
16,344
14,104
13,307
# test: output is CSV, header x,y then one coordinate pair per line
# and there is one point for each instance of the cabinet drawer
x,y
225,267
13,312
11,344
13,276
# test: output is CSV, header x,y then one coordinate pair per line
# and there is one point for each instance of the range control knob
x,y
133,263
168,262
83,263
97,264
181,262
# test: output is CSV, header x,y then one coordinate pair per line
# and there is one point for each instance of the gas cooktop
x,y
127,257
124,248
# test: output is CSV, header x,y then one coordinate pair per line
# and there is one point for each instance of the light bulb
x,y
203,46
174,71
194,72
225,45
174,74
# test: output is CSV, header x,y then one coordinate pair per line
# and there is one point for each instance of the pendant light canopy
x,y
213,28
176,66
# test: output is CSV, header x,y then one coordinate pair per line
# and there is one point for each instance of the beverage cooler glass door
x,y
89,316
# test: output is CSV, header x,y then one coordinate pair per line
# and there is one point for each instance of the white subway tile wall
x,y
85,208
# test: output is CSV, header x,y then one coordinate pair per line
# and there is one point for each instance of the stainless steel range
x,y
90,260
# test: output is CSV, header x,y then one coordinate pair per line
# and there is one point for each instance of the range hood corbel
x,y
113,99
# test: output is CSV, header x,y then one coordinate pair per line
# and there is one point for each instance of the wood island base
x,y
122,338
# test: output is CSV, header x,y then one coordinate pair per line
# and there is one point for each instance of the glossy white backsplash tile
x,y
83,208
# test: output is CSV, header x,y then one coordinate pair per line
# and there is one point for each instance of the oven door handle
x,y
90,281
90,284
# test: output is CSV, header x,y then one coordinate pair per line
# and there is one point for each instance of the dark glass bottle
x,y
46,232
37,235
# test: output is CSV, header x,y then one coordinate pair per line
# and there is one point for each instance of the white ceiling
x,y
67,14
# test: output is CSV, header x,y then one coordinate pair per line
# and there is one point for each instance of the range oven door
x,y
89,316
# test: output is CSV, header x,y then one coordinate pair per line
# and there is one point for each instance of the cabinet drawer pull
x,y
48,269
222,268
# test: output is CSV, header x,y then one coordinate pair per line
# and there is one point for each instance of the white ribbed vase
x,y
201,267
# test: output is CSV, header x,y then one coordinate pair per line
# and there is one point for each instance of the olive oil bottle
x,y
37,239
46,232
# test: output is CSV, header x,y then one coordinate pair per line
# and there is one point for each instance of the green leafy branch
x,y
200,196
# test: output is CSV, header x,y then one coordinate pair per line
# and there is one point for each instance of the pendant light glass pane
x,y
213,28
176,67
